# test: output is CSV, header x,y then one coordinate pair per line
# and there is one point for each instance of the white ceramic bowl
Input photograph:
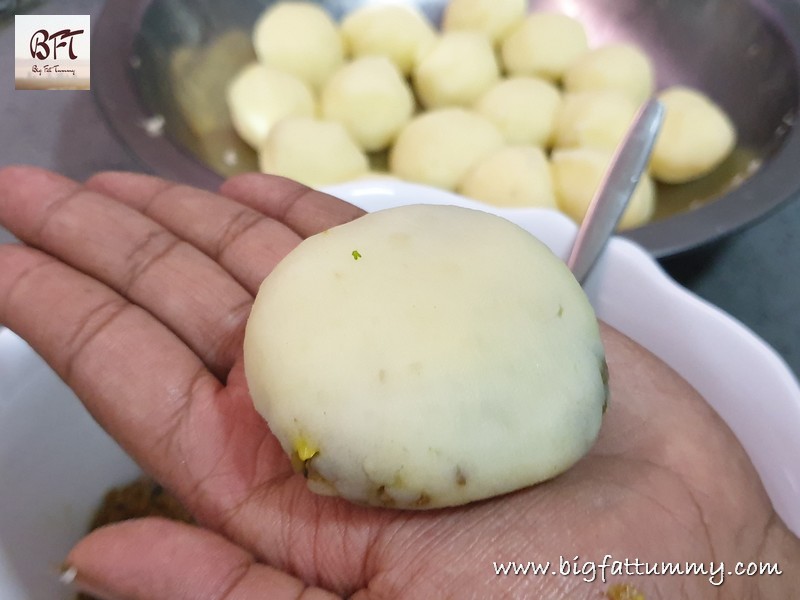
x,y
55,462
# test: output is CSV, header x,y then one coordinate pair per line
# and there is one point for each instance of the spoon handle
x,y
616,189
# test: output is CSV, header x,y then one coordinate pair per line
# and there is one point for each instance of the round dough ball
x,y
512,176
399,32
620,67
299,38
696,136
545,45
439,147
259,96
371,99
391,377
523,108
597,119
577,175
495,18
312,151
456,71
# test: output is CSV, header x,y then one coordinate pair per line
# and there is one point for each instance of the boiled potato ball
x,y
597,119
523,108
399,32
695,138
544,45
495,18
299,38
577,175
426,356
458,68
371,99
311,151
512,176
621,67
259,96
439,147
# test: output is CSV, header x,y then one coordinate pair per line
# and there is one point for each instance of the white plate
x,y
55,462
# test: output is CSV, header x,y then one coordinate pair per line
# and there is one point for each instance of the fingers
x,y
156,559
305,210
133,374
133,255
128,364
142,384
242,240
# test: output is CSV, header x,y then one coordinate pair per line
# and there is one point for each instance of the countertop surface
x,y
753,275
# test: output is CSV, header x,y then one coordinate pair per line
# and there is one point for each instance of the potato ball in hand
x,y
426,356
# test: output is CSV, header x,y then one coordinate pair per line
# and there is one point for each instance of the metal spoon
x,y
616,189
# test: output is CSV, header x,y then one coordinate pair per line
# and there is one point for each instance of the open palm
x,y
136,291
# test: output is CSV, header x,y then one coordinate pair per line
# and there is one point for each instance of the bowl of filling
x,y
510,103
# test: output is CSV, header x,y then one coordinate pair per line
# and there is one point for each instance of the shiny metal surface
x,y
616,189
160,65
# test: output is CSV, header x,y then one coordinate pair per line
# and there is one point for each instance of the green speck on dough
x,y
356,254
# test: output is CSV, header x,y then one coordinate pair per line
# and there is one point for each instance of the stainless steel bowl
x,y
160,67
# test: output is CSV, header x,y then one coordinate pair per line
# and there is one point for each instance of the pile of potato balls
x,y
504,106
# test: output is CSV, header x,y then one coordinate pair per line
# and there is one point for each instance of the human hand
x,y
137,291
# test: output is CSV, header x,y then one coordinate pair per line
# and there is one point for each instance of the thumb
x,y
157,559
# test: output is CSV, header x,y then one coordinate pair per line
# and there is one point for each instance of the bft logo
x,y
43,42
52,52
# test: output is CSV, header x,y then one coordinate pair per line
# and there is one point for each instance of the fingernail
x,y
68,575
